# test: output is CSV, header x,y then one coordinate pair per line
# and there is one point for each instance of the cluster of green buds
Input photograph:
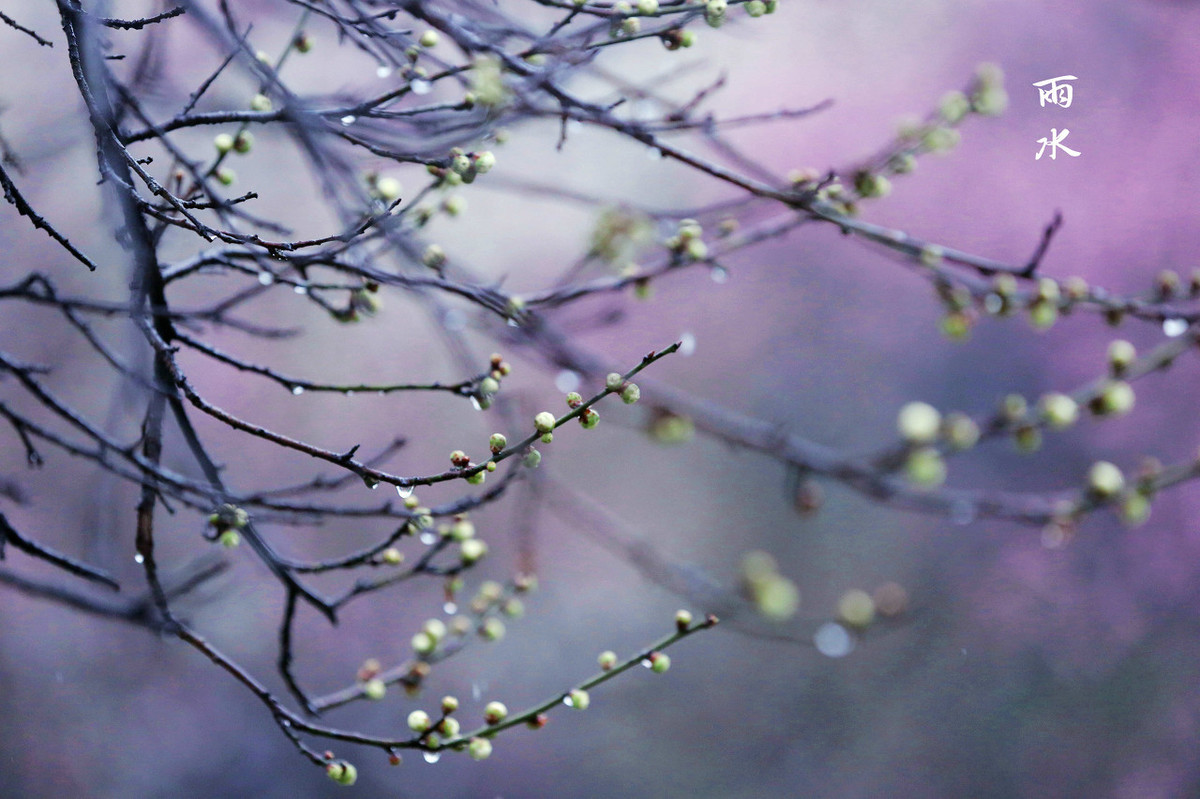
x,y
688,242
226,520
342,772
490,383
775,596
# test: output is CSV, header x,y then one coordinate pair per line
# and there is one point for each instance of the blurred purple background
x,y
1021,671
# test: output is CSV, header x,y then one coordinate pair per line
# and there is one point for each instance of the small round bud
x,y
1115,399
856,608
303,42
871,184
683,620
631,394
411,502
479,748
961,431
495,712
229,538
925,467
223,142
1043,314
547,438
423,643
459,458
492,630
1135,508
450,727
434,256
1105,479
460,164
462,529
260,102
614,381
429,39
225,176
374,688
1121,354
589,419
954,107
419,721
342,772
513,608
243,143
497,442
392,556
647,7
659,662
756,8
607,660
919,422
449,704
544,422
388,189
484,162
454,205
490,466
1058,410
472,550
574,400
532,458
579,699
436,628
489,385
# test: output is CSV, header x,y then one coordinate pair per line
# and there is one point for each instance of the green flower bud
x,y
547,438
756,8
454,205
856,608
434,256
631,26
435,628
683,620
513,608
589,419
419,721
1058,410
489,385
647,7
423,643
225,176
450,727
954,107
472,550
303,42
870,184
449,704
497,442
493,630
544,422
1027,438
429,39
230,538
479,748
388,189
1043,314
613,381
392,556
579,699
631,394
930,255
223,142
925,467
960,431
1121,354
462,529
902,163
495,712
607,660
1135,508
919,422
1105,479
714,12
459,458
532,458
342,772
411,502
659,662
374,688
1115,399
243,143
460,164
260,102
941,140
